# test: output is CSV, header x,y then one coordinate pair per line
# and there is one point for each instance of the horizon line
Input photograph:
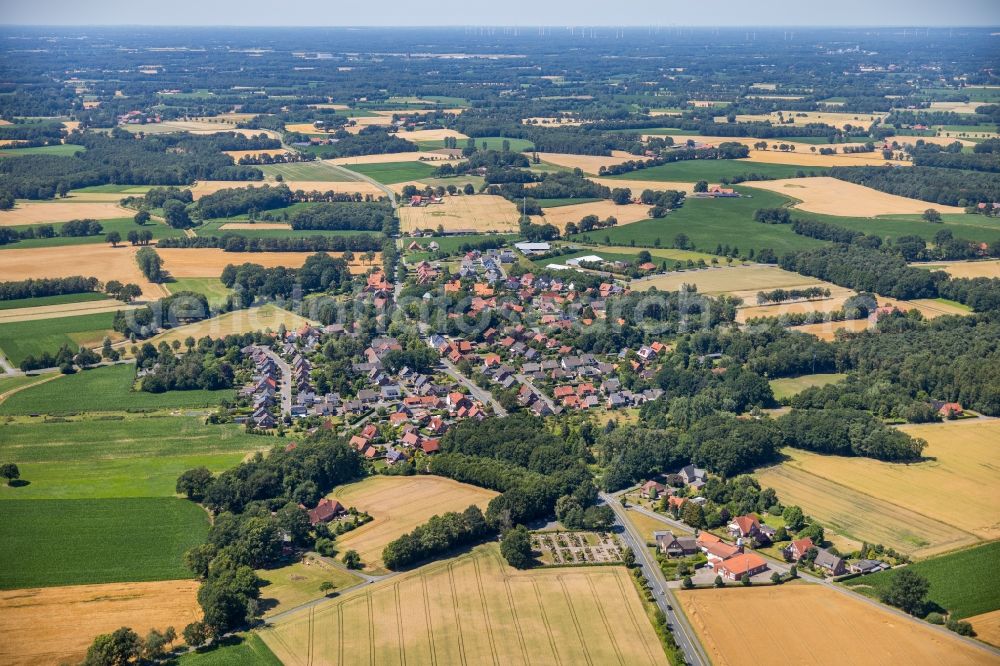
x,y
498,25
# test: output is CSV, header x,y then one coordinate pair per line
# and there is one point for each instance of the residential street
x,y
544,398
286,381
482,395
682,631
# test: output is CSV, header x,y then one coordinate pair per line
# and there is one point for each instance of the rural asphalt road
x,y
679,626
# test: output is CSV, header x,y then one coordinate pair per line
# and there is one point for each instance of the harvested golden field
x,y
827,330
956,107
828,304
56,624
475,609
637,186
834,119
335,107
890,503
968,269
34,212
590,164
203,187
235,322
209,262
987,627
98,260
830,196
255,225
63,310
194,125
562,215
237,155
384,158
480,212
811,159
748,278
813,624
931,307
398,504
431,134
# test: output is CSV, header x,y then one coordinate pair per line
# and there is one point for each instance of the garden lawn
x,y
708,223
687,171
121,225
963,582
94,458
389,173
106,389
58,299
18,340
68,542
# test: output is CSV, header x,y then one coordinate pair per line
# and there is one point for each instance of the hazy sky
x,y
504,12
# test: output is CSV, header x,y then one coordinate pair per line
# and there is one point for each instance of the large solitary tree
x,y
10,472
907,591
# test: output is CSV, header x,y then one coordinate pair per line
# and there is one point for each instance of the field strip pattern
x,y
473,610
862,517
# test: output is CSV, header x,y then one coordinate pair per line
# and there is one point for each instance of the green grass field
x,y
212,288
450,244
389,173
115,189
786,387
970,227
715,170
305,171
104,389
607,256
122,225
63,149
8,382
100,458
71,542
58,299
557,203
21,339
244,650
711,222
964,582
495,142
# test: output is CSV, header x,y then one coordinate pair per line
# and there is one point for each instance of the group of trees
x,y
371,140
73,228
378,217
188,372
727,150
781,295
435,537
319,272
34,288
952,187
239,200
848,432
150,264
773,215
234,242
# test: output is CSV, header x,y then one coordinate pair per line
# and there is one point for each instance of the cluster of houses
x,y
262,390
729,561
136,117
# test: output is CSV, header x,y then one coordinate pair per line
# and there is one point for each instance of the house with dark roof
x,y
325,511
674,546
830,563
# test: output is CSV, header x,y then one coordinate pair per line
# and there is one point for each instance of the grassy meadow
x,y
786,387
713,171
68,542
58,299
245,650
21,339
60,150
305,171
389,173
963,582
121,225
211,288
103,389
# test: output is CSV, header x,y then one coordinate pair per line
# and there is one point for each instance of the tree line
x,y
36,287
952,187
233,242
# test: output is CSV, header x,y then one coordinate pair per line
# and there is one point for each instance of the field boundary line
x,y
486,612
369,604
517,620
399,625
604,619
310,646
635,622
545,621
455,609
576,621
7,394
427,614
340,633
977,538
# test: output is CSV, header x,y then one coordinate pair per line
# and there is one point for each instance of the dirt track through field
x,y
56,624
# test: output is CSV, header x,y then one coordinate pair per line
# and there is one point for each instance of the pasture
x,y
449,244
398,504
961,582
813,624
298,583
262,318
475,609
212,288
690,171
21,339
709,223
480,212
93,458
786,387
64,310
317,170
245,650
831,196
516,145
866,499
37,212
970,227
104,389
61,149
73,542
56,625
98,260
121,225
389,173
45,301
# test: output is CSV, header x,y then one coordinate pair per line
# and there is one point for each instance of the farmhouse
x,y
744,526
325,511
651,489
673,546
735,567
